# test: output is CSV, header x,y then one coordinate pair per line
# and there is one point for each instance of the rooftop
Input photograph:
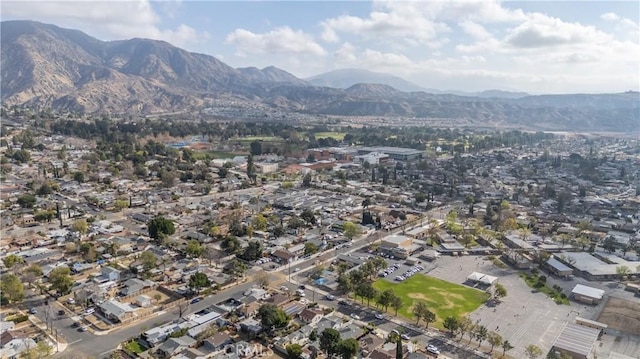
x,y
577,339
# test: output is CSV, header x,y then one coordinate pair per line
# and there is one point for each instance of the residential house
x,y
250,326
369,343
5,326
135,285
283,256
116,311
218,341
110,274
310,316
13,342
173,346
144,301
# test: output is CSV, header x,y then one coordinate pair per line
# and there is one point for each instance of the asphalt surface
x,y
100,346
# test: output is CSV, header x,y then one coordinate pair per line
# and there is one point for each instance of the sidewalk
x,y
60,344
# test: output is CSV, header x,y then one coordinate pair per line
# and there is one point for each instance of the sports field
x,y
335,135
443,298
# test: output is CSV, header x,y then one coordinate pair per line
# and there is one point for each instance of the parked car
x,y
195,300
61,312
405,337
82,329
379,316
433,349
330,297
33,311
355,316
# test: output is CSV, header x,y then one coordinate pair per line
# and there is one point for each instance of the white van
x,y
90,311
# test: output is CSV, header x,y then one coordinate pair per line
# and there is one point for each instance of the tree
x,y
396,303
294,351
329,339
420,197
272,317
428,317
384,299
499,292
231,245
256,148
308,216
11,260
418,309
194,249
465,325
310,248
253,251
251,168
306,180
494,339
60,279
121,204
452,324
610,244
235,269
350,230
32,273
12,288
366,290
480,332
348,348
506,346
623,270
262,278
160,226
80,226
27,200
533,351
149,260
260,222
78,176
199,280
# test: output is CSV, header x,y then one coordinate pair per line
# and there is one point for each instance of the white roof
x,y
482,278
589,292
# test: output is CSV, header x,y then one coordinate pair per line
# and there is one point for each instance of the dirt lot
x,y
621,314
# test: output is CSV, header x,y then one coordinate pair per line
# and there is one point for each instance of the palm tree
x,y
396,303
506,346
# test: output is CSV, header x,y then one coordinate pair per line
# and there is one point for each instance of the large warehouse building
x,y
395,153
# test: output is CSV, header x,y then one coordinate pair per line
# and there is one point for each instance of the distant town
x,y
246,233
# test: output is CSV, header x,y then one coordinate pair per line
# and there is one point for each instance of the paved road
x,y
99,346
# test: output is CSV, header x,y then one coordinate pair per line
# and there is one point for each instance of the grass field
x,y
217,154
335,135
257,138
443,298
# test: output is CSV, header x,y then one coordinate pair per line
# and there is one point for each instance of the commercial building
x,y
576,341
395,153
398,246
588,295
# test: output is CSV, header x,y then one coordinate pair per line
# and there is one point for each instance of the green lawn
x,y
335,135
534,282
257,138
135,347
443,298
217,154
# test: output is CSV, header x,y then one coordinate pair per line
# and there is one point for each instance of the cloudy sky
x,y
535,46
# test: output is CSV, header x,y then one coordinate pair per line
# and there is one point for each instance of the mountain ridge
x,y
45,65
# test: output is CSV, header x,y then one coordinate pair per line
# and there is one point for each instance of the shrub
x,y
20,318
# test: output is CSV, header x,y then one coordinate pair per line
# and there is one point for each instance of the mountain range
x,y
47,66
345,78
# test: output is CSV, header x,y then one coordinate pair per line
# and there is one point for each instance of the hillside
x,y
48,66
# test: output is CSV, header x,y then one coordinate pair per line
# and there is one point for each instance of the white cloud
x,y
474,29
107,20
282,40
610,16
345,54
542,31
392,21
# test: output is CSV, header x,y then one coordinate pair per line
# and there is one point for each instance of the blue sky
x,y
535,46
